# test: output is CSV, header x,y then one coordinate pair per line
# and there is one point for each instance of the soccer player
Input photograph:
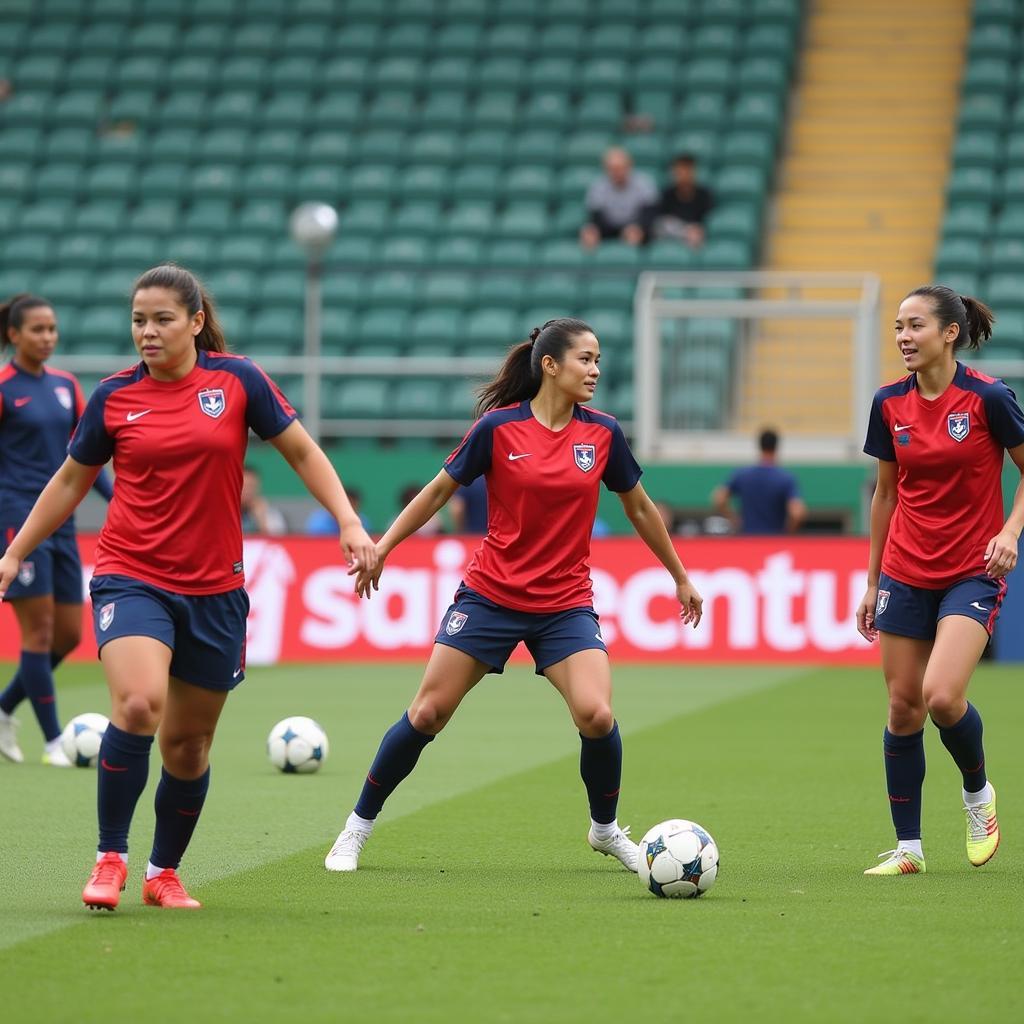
x,y
169,608
940,552
544,456
39,409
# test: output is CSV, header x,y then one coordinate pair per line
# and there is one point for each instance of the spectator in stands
x,y
258,515
468,508
768,495
321,523
683,206
616,203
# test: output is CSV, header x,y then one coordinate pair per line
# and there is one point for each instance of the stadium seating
x,y
981,251
456,139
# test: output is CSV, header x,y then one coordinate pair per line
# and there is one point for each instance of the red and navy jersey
x,y
38,415
178,447
542,491
950,455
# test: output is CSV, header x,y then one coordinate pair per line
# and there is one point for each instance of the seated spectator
x,y
683,206
616,202
258,515
320,522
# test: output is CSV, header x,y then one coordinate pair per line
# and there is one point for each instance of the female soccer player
x,y
940,552
169,607
544,457
39,409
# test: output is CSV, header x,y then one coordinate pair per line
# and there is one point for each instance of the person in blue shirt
x,y
39,410
768,495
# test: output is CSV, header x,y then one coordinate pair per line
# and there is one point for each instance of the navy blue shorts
x,y
915,611
53,568
205,632
488,632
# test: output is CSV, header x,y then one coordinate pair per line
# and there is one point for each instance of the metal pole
x,y
311,376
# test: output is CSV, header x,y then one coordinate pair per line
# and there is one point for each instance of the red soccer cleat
x,y
106,883
166,890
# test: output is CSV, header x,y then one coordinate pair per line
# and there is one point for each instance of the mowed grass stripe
x,y
255,816
489,906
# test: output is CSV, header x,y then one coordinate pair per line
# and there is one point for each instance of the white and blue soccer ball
x,y
678,859
297,744
82,737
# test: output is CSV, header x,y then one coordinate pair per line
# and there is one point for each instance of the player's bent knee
x,y
906,716
139,714
187,757
428,718
595,722
945,708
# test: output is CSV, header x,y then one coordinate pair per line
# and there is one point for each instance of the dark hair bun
x,y
535,334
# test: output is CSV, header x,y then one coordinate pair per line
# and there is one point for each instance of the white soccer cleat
x,y
344,855
9,739
56,758
619,845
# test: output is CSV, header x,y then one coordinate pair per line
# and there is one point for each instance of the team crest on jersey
x,y
959,425
211,401
585,455
455,622
107,616
883,602
63,396
27,574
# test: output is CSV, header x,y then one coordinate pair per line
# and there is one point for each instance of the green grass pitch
x,y
479,899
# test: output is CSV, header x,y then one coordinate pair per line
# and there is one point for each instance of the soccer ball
x,y
82,737
678,859
297,744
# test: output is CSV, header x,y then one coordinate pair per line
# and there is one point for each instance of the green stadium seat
x,y
104,326
88,72
459,39
26,251
726,254
768,74
396,72
81,250
587,147
554,74
214,180
548,109
149,72
425,182
198,70
19,178
435,147
437,325
709,75
990,40
405,250
524,220
192,251
600,111
486,146
284,254
502,288
268,181
614,327
978,149
560,252
255,38
39,71
984,110
185,109
323,182
298,73
528,182
1007,254
471,218
564,291
494,109
83,108
702,144
173,144
1004,13
668,254
372,181
359,398
28,108
163,180
305,39
101,215
743,183
396,289
68,286
393,109
234,286
353,250
449,73
1013,185
704,110
274,332
244,72
502,74
959,255
511,252
991,76
973,220
326,147
419,398
154,216
419,217
53,36
1010,222
223,146
510,38
494,324
346,71
134,253
246,251
336,331
345,289
447,289
443,110
755,148
692,407
476,182
383,325
612,39
53,216
367,215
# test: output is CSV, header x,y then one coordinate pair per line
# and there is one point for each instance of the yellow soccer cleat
x,y
982,831
898,862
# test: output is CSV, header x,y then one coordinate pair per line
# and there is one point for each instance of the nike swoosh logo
x,y
132,416
898,428
512,458
980,607
111,767
597,636
19,402
236,673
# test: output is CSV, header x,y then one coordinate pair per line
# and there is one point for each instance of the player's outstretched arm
x,y
883,504
314,469
650,527
1001,551
418,512
58,499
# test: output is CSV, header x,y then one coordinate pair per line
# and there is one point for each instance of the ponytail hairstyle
x,y
12,313
193,296
520,376
972,316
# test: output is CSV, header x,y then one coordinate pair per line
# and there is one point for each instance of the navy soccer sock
x,y
14,694
396,757
963,741
178,803
123,768
601,770
904,777
37,682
